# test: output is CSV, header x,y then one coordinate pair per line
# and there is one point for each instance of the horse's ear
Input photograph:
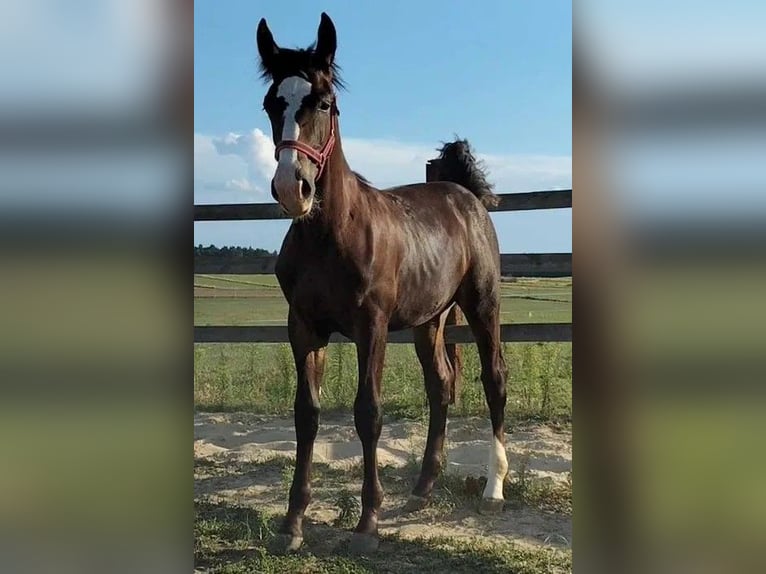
x,y
267,48
326,42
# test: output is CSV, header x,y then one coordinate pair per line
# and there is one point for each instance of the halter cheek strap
x,y
319,157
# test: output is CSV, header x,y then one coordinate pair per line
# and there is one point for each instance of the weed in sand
x,y
349,509
542,493
232,526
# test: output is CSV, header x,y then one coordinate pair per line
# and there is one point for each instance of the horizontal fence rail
x,y
557,199
511,264
510,333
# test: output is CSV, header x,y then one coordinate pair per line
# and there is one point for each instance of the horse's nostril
x,y
306,188
274,192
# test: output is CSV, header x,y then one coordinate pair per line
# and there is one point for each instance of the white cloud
x,y
233,167
387,163
241,184
514,173
255,148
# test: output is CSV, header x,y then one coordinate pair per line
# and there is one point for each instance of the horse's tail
x,y
458,165
454,317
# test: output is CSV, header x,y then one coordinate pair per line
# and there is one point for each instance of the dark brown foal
x,y
362,262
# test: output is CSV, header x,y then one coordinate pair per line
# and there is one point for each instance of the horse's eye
x,y
324,106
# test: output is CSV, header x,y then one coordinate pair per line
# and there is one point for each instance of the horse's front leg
x,y
309,353
371,348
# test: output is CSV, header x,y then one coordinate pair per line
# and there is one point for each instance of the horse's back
x,y
444,202
434,195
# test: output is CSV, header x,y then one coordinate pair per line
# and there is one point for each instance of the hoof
x,y
363,543
287,543
415,503
491,505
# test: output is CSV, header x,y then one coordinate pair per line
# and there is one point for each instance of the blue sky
x,y
495,72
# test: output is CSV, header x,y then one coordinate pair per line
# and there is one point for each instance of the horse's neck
x,y
342,194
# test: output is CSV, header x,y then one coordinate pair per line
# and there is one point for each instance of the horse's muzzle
x,y
296,197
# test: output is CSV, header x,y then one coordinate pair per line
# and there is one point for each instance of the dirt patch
x,y
247,459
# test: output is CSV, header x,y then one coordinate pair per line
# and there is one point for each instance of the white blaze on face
x,y
293,90
498,468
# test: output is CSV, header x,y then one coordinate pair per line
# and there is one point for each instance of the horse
x,y
362,262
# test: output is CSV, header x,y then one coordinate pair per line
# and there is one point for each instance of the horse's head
x,y
300,103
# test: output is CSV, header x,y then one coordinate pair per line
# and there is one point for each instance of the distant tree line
x,y
231,252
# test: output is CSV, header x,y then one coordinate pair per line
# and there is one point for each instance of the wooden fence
x,y
512,264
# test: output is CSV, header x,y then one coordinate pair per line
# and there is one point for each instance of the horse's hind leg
x,y
479,299
439,378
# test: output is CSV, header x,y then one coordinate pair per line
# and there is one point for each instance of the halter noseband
x,y
319,157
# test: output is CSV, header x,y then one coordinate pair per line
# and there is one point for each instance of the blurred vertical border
x,y
96,135
669,309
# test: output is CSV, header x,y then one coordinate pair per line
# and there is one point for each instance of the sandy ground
x,y
246,443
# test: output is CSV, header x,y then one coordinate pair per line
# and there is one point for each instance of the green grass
x,y
261,377
237,539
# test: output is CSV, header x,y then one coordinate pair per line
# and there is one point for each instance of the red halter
x,y
319,157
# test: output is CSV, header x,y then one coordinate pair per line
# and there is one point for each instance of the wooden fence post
x,y
432,170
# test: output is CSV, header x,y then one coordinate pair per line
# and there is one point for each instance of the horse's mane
x,y
291,62
362,179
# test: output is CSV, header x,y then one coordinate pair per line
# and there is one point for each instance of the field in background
x,y
260,377
257,300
